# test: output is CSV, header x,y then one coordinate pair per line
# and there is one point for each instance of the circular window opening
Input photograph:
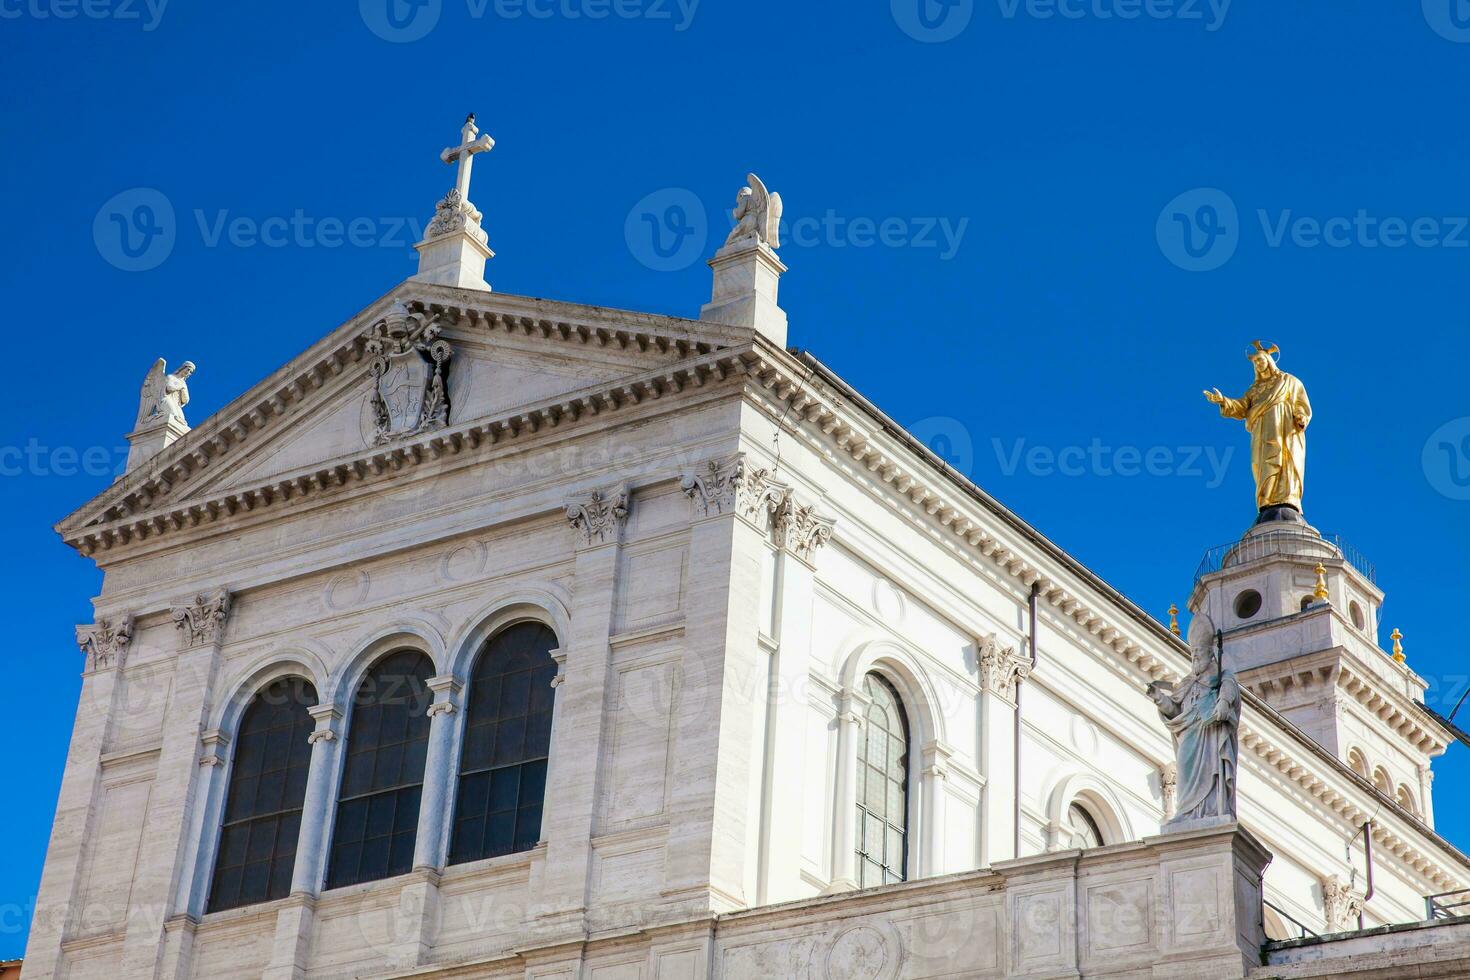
x,y
1247,604
1307,601
1356,612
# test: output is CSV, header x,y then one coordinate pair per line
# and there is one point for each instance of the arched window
x,y
1085,830
257,844
1381,781
1405,799
882,787
1358,762
507,741
383,772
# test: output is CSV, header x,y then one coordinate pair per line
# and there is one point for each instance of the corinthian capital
x,y
1001,667
105,642
800,530
598,516
203,622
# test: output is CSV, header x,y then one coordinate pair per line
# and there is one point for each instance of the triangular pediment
x,y
504,352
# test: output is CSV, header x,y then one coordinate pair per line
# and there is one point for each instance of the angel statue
x,y
1202,712
757,216
164,395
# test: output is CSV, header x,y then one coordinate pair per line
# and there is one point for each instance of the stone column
x,y
933,801
1000,669
851,713
105,645
163,880
294,921
574,786
440,772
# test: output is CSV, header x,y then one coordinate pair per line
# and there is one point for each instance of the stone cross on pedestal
x,y
455,249
464,154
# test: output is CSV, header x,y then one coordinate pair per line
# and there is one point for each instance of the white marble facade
x,y
717,608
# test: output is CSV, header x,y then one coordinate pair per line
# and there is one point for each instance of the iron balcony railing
x,y
1286,541
1303,931
1449,905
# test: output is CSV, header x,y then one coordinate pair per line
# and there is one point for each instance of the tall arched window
x,y
1358,762
883,787
257,844
507,741
383,772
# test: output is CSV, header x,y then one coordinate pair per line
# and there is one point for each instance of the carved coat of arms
x,y
410,369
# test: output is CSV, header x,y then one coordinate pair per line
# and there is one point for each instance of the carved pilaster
x,y
327,718
1341,906
105,643
203,622
1169,788
1001,668
598,517
215,743
446,695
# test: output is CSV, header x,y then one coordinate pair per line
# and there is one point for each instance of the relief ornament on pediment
x,y
410,372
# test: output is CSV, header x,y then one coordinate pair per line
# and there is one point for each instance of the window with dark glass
x,y
257,844
1085,831
883,787
383,772
507,740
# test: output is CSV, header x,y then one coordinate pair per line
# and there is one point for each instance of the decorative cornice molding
x,y
105,643
598,517
204,622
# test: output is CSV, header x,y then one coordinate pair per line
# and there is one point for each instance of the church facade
x,y
504,637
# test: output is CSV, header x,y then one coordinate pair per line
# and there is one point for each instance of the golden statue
x,y
1277,413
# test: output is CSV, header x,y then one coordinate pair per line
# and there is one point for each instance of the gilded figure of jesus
x,y
1277,413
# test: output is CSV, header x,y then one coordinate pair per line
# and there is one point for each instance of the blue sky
x,y
1021,226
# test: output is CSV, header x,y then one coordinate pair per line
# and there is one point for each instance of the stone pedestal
x,y
455,259
145,443
747,276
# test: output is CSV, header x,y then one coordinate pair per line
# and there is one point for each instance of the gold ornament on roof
x,y
1174,620
1321,595
1398,647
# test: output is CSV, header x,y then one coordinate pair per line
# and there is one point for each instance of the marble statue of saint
x,y
164,395
1202,712
757,215
1277,413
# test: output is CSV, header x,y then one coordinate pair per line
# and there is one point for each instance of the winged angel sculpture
x,y
757,216
164,395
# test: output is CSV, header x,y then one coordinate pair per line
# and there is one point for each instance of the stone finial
x,y
203,622
454,250
105,643
1321,594
160,411
747,271
1398,647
